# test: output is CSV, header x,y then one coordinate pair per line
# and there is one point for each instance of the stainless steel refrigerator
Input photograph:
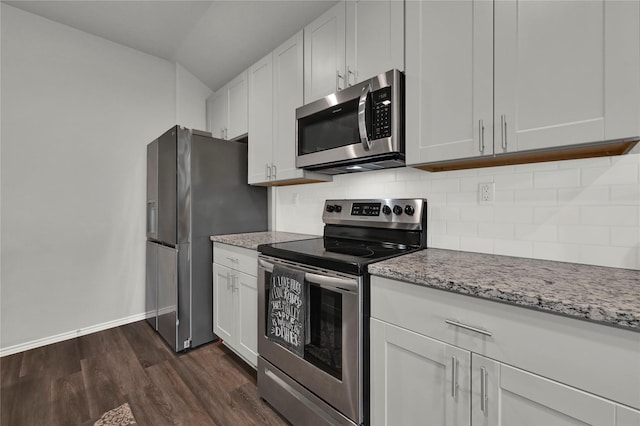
x,y
196,187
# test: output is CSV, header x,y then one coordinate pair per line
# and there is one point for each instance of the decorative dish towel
x,y
288,323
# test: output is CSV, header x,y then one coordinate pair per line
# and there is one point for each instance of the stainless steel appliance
x,y
329,383
196,187
356,129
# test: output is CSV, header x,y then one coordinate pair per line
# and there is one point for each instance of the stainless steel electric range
x,y
329,382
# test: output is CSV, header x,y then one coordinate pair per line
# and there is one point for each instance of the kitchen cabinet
x,y
227,109
275,91
503,395
351,42
532,366
553,75
417,380
235,299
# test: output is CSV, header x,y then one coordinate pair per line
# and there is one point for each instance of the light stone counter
x,y
606,295
252,240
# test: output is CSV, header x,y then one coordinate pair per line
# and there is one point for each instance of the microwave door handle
x,y
362,119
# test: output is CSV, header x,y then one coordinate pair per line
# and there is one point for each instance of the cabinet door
x,y
237,106
375,38
217,113
324,54
566,72
223,303
413,379
449,80
516,397
246,288
287,96
260,120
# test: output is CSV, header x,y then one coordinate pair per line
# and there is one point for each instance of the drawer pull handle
x,y
454,377
468,327
483,390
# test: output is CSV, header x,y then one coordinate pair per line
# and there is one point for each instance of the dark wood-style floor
x,y
71,382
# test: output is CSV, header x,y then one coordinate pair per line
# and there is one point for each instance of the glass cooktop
x,y
342,255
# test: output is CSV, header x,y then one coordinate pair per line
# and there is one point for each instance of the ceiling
x,y
214,40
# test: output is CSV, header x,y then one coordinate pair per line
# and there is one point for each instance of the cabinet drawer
x,y
600,359
238,258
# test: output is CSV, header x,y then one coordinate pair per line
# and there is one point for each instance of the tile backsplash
x,y
583,211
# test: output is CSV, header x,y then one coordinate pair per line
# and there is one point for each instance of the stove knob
x,y
337,208
386,210
409,210
330,208
397,210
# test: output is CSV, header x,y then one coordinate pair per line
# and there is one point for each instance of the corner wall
x,y
77,113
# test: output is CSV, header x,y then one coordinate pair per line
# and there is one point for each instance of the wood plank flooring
x,y
72,382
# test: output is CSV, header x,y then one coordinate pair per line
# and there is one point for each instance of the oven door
x,y
331,367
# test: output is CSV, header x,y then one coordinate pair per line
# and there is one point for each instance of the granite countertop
x,y
606,295
252,240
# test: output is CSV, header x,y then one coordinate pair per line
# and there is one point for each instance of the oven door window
x,y
324,349
329,129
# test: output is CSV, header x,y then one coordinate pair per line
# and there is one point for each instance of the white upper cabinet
x,y
217,114
324,54
227,109
351,42
563,73
374,37
566,72
449,80
275,91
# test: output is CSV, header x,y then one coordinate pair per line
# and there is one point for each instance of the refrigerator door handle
x,y
152,218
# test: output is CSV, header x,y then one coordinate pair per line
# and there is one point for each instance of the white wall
x,y
191,100
77,113
582,211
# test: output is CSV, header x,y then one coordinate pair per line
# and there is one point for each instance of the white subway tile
x,y
504,231
585,162
434,198
409,174
556,251
462,198
557,215
515,181
498,170
615,175
477,214
625,194
584,196
513,248
394,189
445,185
443,212
529,232
462,228
468,184
625,237
420,187
503,198
536,197
583,234
617,257
557,178
610,215
479,245
447,242
437,227
512,214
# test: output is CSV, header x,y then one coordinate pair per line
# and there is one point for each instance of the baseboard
x,y
70,335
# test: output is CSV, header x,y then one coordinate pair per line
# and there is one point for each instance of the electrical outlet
x,y
486,192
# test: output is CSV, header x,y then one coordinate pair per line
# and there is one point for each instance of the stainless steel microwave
x,y
356,129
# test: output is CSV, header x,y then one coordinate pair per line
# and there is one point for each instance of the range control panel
x,y
405,213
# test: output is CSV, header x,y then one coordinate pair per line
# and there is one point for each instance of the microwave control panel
x,y
381,103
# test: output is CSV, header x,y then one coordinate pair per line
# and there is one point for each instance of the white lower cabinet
x,y
476,377
416,380
235,299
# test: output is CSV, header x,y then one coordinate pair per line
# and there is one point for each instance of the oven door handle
x,y
330,283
